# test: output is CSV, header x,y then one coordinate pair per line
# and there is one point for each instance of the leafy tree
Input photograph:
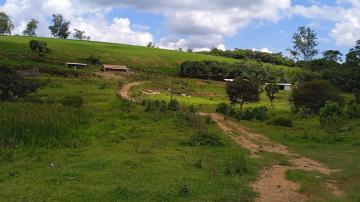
x,y
79,34
271,90
150,45
305,43
353,57
60,27
241,91
6,25
332,56
13,86
313,95
31,27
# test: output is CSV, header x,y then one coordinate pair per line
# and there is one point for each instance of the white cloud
x,y
264,50
81,15
346,29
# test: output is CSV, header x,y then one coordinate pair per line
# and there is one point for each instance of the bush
x,y
314,94
260,113
204,138
13,86
353,110
38,46
248,114
282,121
174,105
73,101
357,97
92,59
331,116
222,108
238,165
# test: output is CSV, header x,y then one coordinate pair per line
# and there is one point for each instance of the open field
x,y
15,51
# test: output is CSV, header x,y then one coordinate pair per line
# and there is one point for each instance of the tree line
x,y
60,27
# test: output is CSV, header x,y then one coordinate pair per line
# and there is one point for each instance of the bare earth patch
x,y
272,184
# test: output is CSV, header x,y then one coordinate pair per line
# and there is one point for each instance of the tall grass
x,y
25,124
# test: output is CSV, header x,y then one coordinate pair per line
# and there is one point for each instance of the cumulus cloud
x,y
346,20
82,16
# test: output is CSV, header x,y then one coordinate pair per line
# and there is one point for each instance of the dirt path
x,y
272,184
124,91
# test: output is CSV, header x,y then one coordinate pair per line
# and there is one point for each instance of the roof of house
x,y
77,64
115,67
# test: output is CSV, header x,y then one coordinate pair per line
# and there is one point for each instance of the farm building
x,y
116,68
76,65
283,86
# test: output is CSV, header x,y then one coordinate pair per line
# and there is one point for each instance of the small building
x,y
229,80
283,86
116,68
75,65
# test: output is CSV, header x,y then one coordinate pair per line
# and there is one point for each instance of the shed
x,y
283,86
76,65
229,80
116,68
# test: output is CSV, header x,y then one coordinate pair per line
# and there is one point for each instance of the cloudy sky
x,y
199,24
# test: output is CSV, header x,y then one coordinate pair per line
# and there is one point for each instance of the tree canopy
x,y
305,43
60,27
6,25
241,91
31,28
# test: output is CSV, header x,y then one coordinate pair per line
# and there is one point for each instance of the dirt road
x,y
125,89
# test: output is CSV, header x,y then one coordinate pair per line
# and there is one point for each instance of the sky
x,y
265,25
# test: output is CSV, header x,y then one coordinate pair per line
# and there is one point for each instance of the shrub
x,y
282,121
222,108
92,59
357,97
331,116
38,46
260,113
204,138
248,114
13,86
238,165
174,105
184,190
192,109
73,101
353,110
163,107
314,94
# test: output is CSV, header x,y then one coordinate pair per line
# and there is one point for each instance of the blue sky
x,y
202,24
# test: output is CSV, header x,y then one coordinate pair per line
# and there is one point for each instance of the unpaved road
x,y
125,89
272,185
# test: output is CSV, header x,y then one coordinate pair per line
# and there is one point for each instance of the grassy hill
x,y
15,50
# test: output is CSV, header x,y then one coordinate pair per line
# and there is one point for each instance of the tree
x,y
6,25
332,56
353,57
271,89
79,34
150,45
304,43
331,116
241,91
31,27
38,46
313,95
60,27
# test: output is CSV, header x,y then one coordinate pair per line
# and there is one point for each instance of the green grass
x,y
124,154
15,51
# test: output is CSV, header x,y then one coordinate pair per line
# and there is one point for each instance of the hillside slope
x,y
15,50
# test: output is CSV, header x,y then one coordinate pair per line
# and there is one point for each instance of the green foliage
x,y
272,58
94,60
60,27
357,97
14,86
353,57
305,42
6,25
331,116
241,91
174,105
260,113
38,124
314,94
205,138
184,190
222,108
353,110
31,28
38,46
271,90
72,101
237,165
282,121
